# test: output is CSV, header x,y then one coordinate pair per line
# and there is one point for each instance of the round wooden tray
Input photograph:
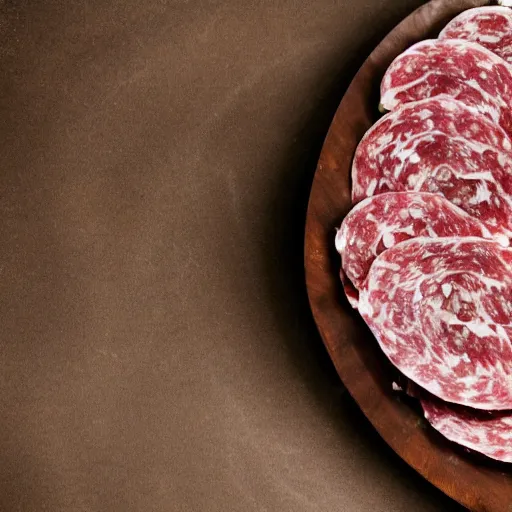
x,y
477,484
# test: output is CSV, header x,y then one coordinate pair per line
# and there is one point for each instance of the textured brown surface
x,y
157,353
479,484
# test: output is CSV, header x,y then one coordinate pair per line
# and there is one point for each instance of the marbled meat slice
x,y
380,222
439,145
489,26
441,311
481,431
466,71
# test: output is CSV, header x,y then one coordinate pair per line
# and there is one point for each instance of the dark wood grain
x,y
477,484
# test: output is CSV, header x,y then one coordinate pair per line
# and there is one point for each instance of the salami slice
x,y
380,222
439,145
483,432
489,26
465,71
441,311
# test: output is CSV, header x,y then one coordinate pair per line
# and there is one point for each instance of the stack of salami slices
x,y
426,251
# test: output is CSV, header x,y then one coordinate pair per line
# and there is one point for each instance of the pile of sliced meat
x,y
426,252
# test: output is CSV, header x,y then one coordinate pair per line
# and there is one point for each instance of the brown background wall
x,y
157,353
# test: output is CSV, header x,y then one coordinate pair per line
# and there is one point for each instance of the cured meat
x,y
465,71
441,311
490,26
439,145
483,432
379,222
